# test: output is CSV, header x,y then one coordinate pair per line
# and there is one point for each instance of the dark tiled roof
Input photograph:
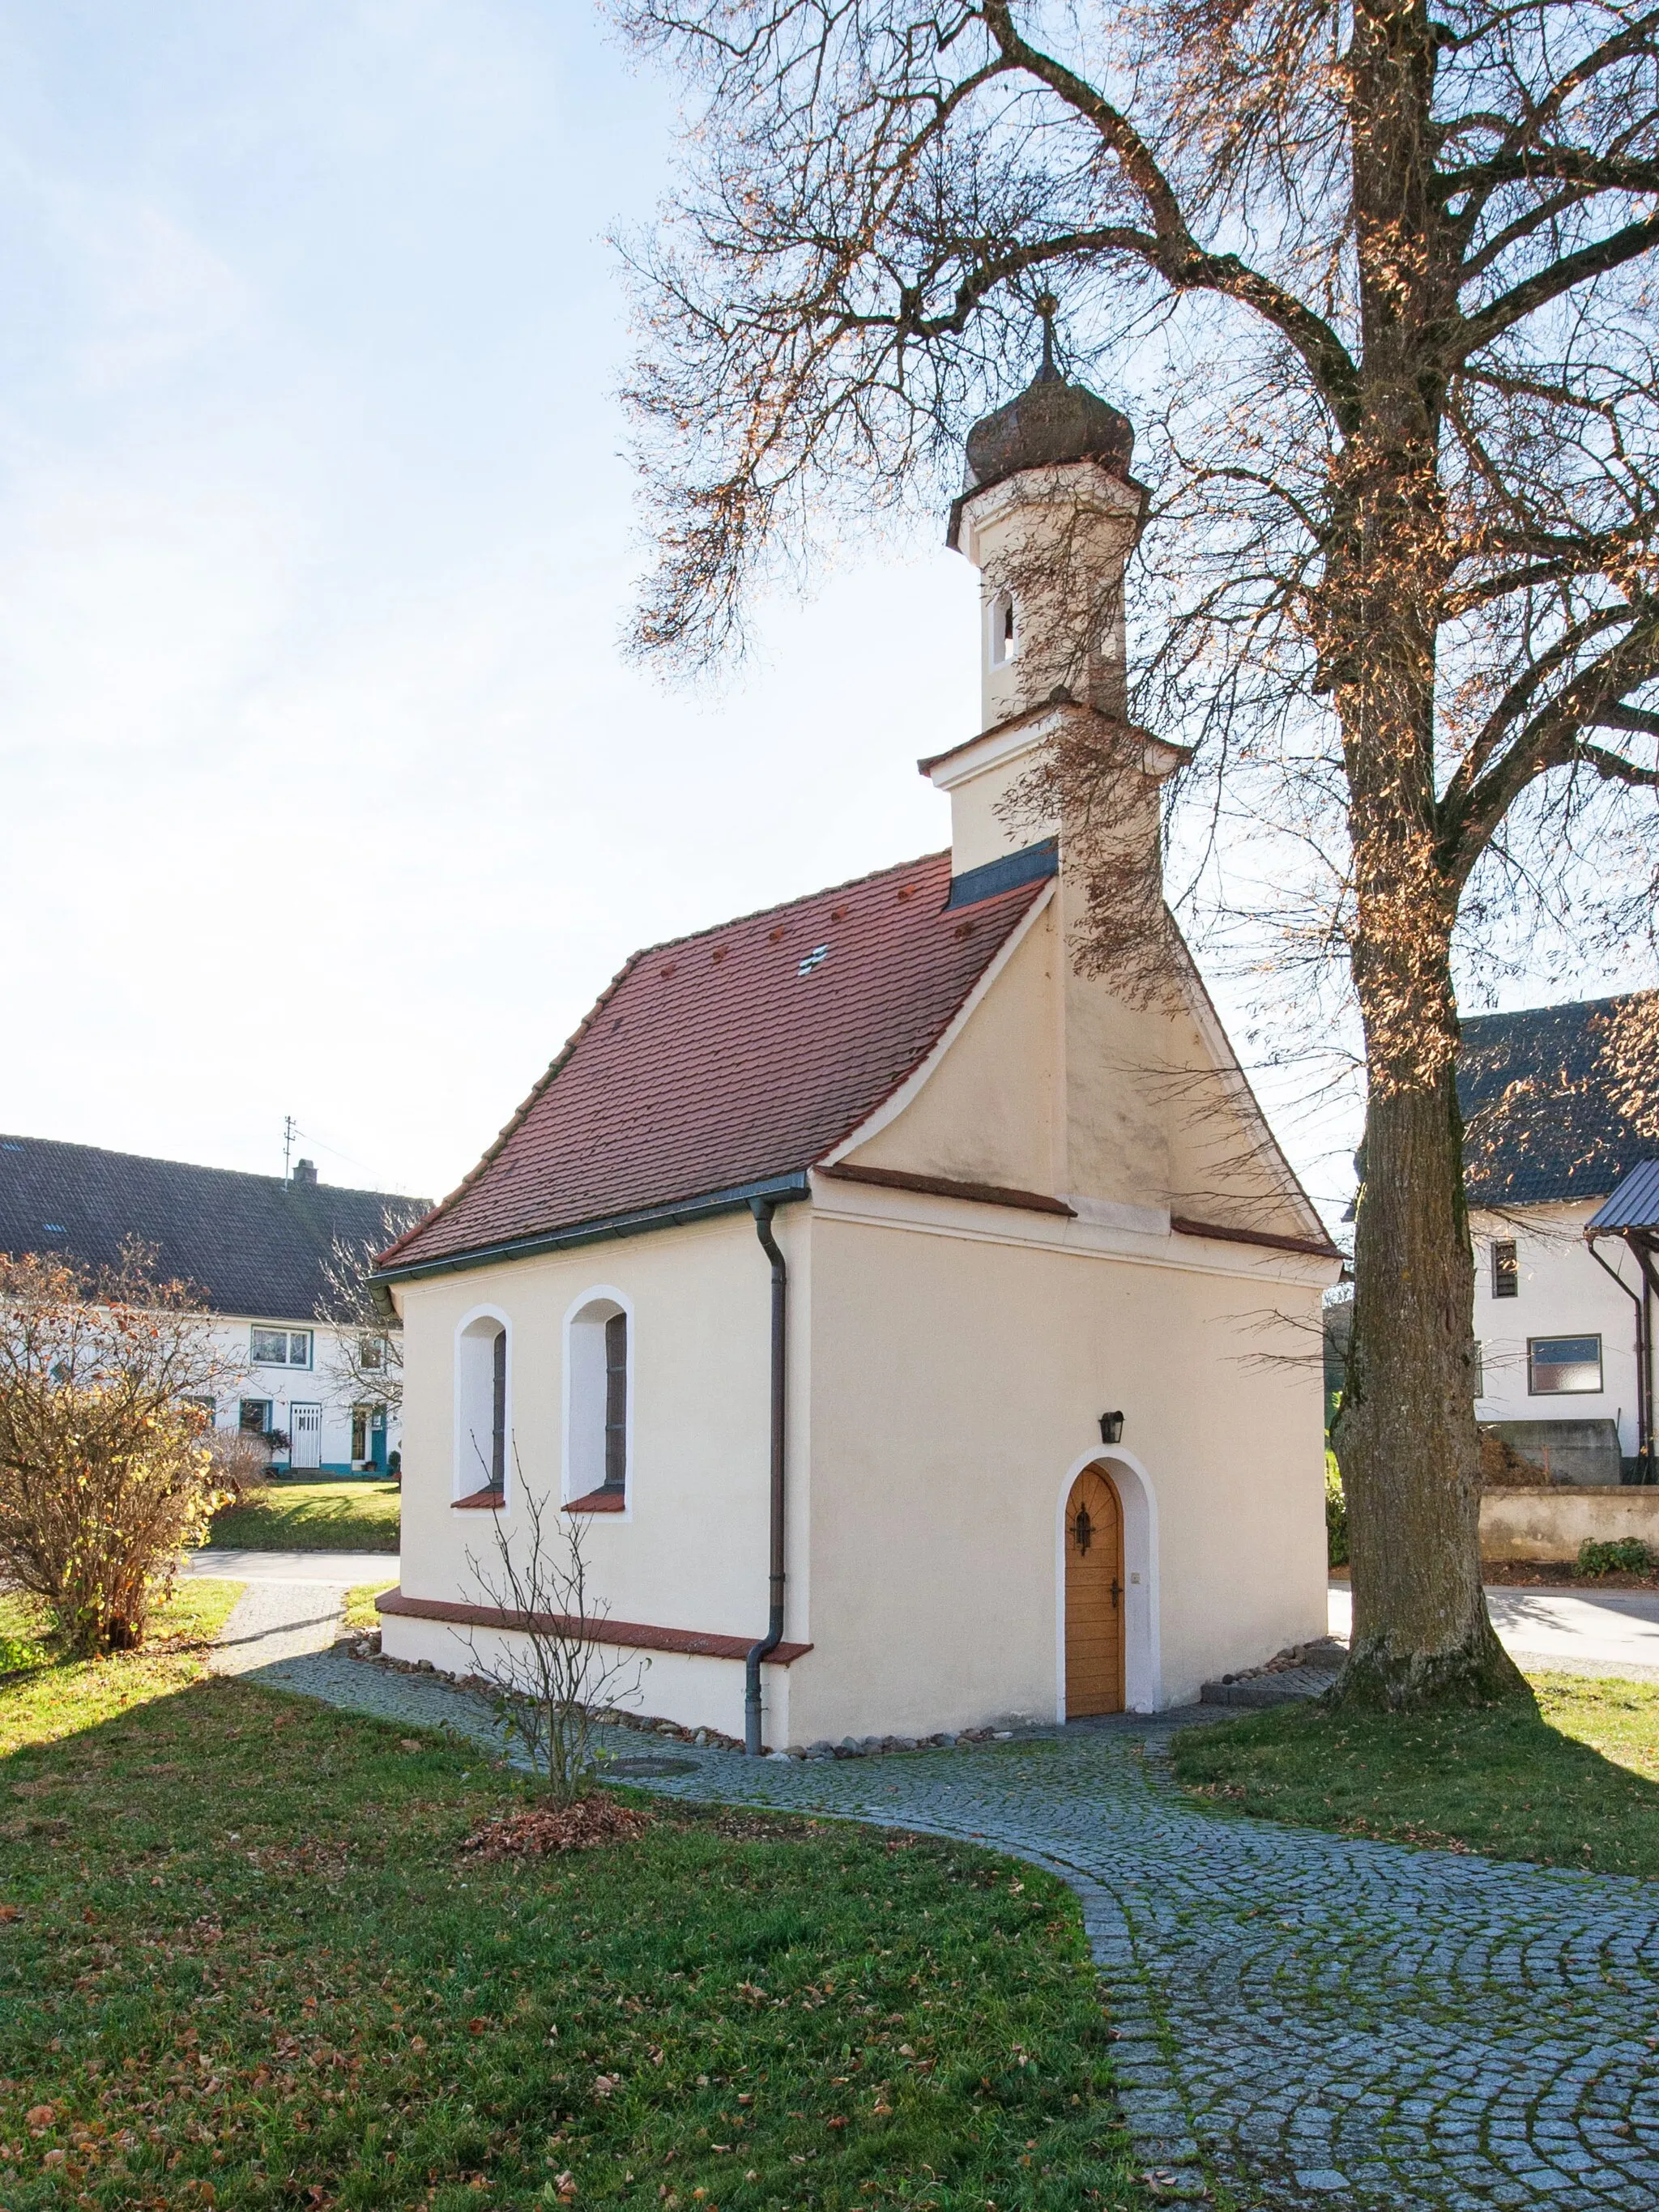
x,y
1541,1119
251,1244
740,1053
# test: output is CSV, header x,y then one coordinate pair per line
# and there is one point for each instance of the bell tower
x,y
1048,514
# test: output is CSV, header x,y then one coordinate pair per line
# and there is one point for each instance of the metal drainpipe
x,y
763,1209
1643,1357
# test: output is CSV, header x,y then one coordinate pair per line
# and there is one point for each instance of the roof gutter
x,y
679,1213
763,1209
1643,1302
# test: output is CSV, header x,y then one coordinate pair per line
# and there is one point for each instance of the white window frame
x,y
467,1478
288,1365
575,1452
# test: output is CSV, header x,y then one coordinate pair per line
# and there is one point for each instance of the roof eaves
x,y
674,1213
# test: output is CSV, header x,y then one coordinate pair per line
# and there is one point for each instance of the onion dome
x,y
1049,422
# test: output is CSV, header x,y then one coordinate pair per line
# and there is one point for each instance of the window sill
x,y
481,1501
599,1501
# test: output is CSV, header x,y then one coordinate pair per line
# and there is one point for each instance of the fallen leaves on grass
x,y
548,1828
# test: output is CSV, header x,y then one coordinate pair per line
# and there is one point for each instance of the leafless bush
x,y
552,1680
105,1473
241,1461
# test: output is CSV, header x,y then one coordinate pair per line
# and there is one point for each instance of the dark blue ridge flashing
x,y
1006,874
675,1215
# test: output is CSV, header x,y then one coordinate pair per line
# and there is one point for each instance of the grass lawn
x,y
294,1515
242,1964
41,1699
359,1605
1577,1785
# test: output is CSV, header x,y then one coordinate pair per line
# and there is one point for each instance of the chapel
x,y
919,1325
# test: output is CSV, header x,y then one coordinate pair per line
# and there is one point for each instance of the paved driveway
x,y
1585,1632
1309,2021
345,1569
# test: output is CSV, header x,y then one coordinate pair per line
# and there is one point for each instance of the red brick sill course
x,y
981,1193
633,1635
598,1501
480,1501
1224,1233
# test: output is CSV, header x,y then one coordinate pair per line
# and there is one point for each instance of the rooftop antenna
x,y
290,1131
1047,307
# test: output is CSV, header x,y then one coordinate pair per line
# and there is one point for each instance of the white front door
x,y
305,1436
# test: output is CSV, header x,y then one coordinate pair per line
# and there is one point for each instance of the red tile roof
x,y
713,1061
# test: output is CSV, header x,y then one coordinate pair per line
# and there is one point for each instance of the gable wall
x,y
1056,1083
986,1113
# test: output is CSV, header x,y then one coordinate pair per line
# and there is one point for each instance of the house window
x,y
371,1353
1480,1371
253,1417
616,1402
1505,1271
281,1348
1557,1365
597,1438
1003,644
480,1386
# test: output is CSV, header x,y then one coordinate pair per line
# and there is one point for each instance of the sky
x,y
325,789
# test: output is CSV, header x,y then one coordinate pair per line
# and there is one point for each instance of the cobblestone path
x,y
1305,2020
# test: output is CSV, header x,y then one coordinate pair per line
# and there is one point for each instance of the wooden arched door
x,y
1094,1597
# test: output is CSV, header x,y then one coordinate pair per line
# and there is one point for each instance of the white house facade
x,y
1563,1322
257,1250
920,1333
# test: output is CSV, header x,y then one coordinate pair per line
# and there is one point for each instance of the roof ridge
x,y
761,912
1560,1006
198,1167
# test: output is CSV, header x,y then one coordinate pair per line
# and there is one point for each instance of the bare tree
x,y
366,1357
1379,279
555,1677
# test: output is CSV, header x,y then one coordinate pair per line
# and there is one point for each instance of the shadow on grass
x,y
295,1514
263,1968
1574,1783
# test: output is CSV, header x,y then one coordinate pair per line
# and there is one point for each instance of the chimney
x,y
305,1174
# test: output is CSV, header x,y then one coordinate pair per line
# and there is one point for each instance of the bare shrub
x,y
550,1683
104,1472
241,1462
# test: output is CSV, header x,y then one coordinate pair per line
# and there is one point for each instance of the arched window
x,y
481,1390
597,1408
1003,642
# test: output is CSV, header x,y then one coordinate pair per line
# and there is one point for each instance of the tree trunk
x,y
1406,1436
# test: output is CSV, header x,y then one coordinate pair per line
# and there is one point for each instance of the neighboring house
x,y
255,1248
921,1332
1548,1147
